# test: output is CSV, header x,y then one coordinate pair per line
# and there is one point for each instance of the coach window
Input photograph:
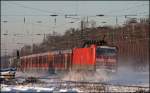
x,y
40,60
30,59
34,61
44,59
27,61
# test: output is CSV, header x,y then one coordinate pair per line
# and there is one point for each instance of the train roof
x,y
49,52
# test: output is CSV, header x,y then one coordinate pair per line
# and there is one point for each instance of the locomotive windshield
x,y
106,51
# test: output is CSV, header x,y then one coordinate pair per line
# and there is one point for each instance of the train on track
x,y
96,55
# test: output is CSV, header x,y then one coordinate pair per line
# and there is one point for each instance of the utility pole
x,y
82,29
116,21
44,37
5,34
87,22
81,35
54,15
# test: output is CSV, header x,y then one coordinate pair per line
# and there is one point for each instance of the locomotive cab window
x,y
108,51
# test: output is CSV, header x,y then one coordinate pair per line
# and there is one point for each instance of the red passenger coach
x,y
35,62
62,60
49,61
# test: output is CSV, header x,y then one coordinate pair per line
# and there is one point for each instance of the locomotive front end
x,y
106,58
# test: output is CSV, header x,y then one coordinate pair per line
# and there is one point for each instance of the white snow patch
x,y
25,88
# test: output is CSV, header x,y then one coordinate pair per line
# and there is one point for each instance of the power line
x,y
21,5
130,8
72,15
61,13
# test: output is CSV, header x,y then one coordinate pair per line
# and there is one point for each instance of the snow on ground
x,y
124,89
26,88
40,74
21,88
124,76
13,88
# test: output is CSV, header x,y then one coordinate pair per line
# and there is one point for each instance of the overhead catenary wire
x,y
37,9
33,9
129,8
21,5
61,14
58,13
73,17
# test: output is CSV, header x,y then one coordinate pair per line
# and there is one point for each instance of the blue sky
x,y
15,11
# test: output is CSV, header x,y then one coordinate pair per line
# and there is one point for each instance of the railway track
x,y
87,86
98,86
82,82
